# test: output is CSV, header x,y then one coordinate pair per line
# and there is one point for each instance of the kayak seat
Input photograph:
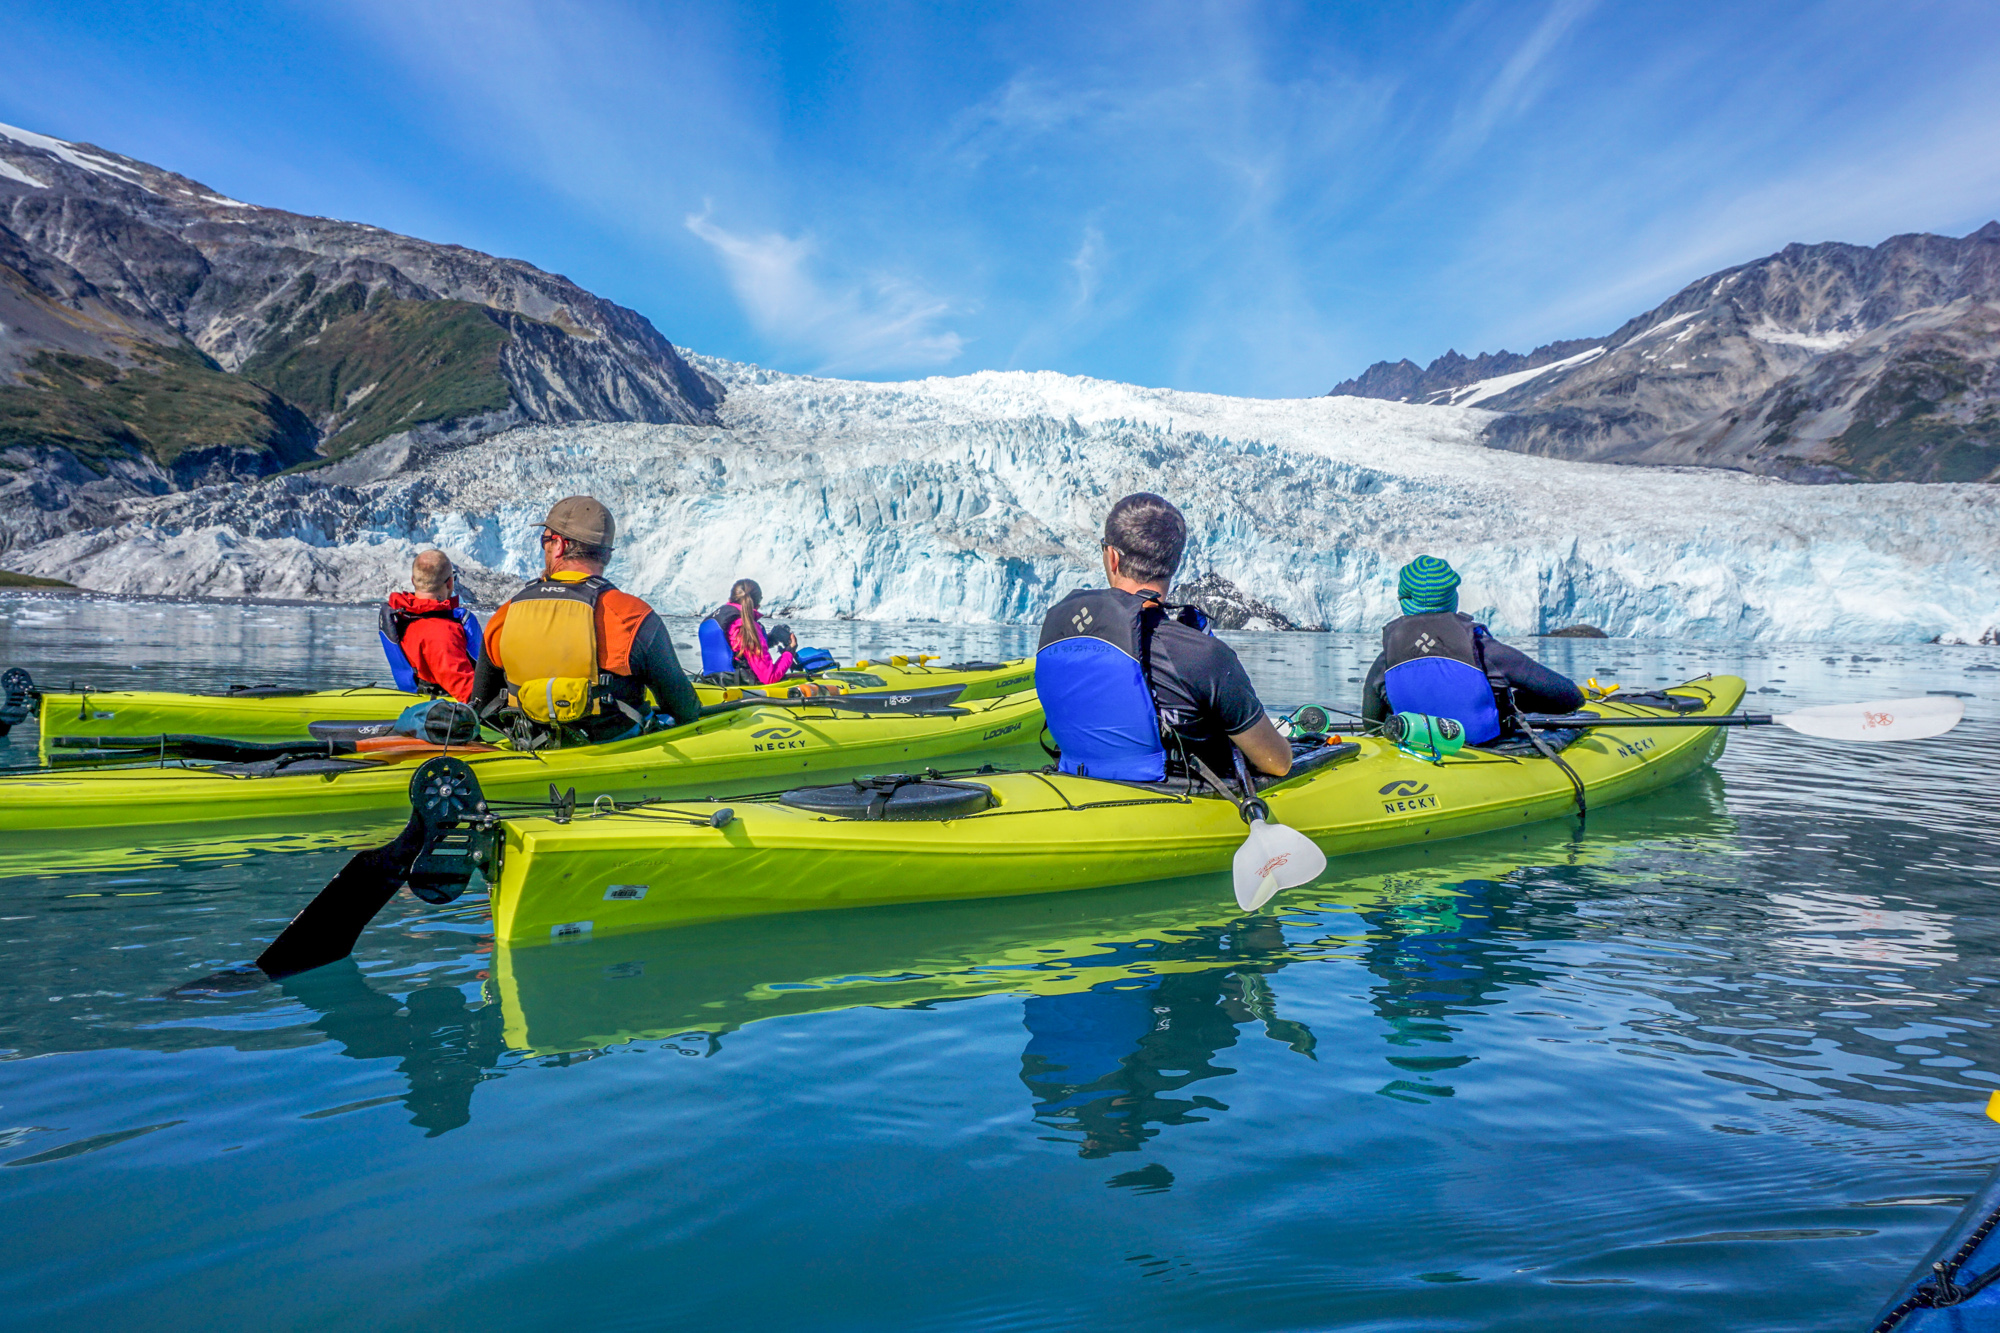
x,y
892,796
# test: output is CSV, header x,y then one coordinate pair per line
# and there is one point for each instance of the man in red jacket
x,y
426,635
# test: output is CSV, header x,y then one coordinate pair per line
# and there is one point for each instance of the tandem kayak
x,y
756,746
1038,832
273,714
718,977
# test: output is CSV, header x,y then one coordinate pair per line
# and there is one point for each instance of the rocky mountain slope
x,y
980,497
155,335
1819,363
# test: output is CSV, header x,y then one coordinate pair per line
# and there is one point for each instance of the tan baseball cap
x,y
581,519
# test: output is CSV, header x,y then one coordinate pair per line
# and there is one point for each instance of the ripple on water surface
x,y
1717,1060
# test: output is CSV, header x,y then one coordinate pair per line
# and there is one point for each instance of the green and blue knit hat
x,y
1427,584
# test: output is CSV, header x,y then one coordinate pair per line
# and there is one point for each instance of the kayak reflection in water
x,y
446,1047
1103,1061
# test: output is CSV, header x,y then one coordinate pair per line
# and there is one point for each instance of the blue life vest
x,y
716,654
1434,666
1090,673
393,624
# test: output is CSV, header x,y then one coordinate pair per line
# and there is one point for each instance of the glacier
x,y
979,499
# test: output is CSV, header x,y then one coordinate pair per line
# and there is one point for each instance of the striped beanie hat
x,y
1427,584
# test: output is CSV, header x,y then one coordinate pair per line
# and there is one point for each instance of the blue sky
x,y
1253,199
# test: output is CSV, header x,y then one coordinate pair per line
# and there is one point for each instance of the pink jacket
x,y
746,640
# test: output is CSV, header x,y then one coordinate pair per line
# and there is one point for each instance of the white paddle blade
x,y
1272,859
1882,720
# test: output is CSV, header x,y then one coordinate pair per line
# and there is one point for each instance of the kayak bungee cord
x,y
1942,1290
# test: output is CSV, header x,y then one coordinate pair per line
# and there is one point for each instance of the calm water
x,y
1717,1060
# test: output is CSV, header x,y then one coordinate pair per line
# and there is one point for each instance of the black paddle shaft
x,y
325,932
1573,722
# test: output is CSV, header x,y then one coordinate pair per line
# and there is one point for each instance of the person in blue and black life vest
x,y
1437,660
571,651
430,640
1129,685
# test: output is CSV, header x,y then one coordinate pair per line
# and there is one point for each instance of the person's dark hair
x,y
1149,535
746,592
576,550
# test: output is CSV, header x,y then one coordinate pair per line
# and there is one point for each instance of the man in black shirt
x,y
1113,665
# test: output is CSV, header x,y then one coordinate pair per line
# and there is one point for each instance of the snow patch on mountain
x,y
69,153
979,498
1478,392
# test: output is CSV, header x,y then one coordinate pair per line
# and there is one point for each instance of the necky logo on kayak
x,y
1634,749
1411,794
777,738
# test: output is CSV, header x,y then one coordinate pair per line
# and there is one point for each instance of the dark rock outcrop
x,y
1229,607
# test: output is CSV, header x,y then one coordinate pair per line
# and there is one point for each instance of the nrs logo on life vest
x,y
777,738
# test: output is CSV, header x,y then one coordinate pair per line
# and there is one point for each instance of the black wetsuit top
x,y
1203,692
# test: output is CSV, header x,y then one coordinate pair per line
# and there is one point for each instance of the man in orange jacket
x,y
429,639
570,648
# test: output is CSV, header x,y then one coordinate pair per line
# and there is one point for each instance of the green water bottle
x,y
1425,737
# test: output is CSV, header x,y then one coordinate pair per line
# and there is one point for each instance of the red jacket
x,y
435,647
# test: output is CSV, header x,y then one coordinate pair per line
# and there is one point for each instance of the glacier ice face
x,y
979,499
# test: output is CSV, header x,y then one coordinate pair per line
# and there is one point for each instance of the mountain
x,y
1820,363
980,498
155,335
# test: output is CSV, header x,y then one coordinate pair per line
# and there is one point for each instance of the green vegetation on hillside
x,y
368,369
1900,434
171,400
9,579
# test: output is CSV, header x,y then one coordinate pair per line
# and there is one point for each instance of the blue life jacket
x,y
1434,666
1090,673
716,654
393,624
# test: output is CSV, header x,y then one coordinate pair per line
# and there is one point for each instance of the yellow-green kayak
x,y
756,748
667,864
271,714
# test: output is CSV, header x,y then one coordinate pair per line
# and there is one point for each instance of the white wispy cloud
x,y
878,323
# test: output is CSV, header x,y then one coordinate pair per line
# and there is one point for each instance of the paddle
x,y
444,794
1273,858
1879,720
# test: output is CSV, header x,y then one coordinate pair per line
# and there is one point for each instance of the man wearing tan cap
x,y
573,654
